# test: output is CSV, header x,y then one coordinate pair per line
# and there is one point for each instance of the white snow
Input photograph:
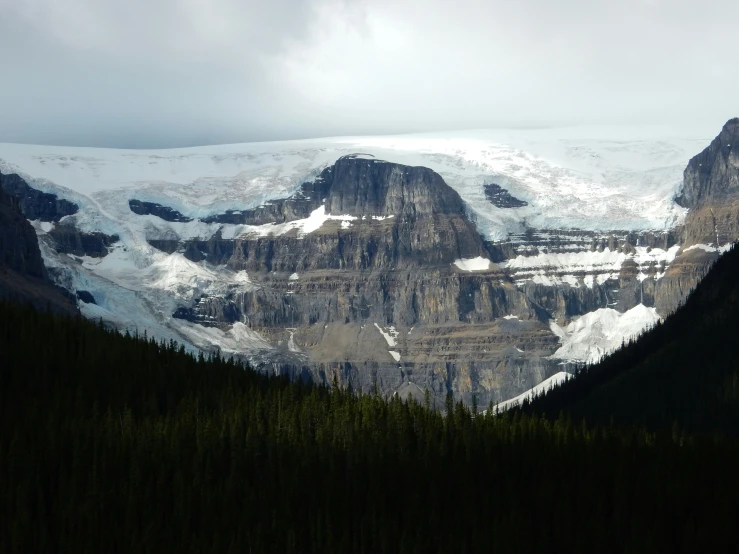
x,y
312,223
390,335
708,248
593,335
573,261
395,355
473,264
542,387
291,346
294,277
510,316
238,339
42,226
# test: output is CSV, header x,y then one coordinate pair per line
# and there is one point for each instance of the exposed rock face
x,y
167,214
19,250
36,204
69,240
41,206
501,198
681,278
216,250
711,193
210,311
86,297
299,206
22,273
713,175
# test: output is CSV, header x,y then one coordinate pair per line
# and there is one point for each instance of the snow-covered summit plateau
x,y
577,178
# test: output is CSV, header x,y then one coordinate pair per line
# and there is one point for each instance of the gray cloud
x,y
154,73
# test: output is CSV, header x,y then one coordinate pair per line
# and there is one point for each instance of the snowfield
x,y
572,178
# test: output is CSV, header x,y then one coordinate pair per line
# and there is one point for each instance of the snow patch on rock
x,y
473,264
556,268
593,335
291,346
42,227
708,248
390,335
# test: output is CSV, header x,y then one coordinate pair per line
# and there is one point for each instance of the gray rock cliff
x,y
22,273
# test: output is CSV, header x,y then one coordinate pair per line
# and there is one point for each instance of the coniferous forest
x,y
111,443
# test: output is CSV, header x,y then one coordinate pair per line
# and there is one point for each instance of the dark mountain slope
x,y
685,371
22,273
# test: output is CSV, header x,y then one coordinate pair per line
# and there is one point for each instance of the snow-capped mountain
x,y
526,249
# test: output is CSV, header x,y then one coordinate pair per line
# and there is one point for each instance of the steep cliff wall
x,y
395,287
22,273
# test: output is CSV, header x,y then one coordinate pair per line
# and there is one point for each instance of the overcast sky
x,y
158,73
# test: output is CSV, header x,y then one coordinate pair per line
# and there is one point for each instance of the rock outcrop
x,y
713,175
501,198
22,273
69,240
34,204
41,206
166,213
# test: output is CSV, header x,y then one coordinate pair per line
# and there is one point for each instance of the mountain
x,y
479,263
23,276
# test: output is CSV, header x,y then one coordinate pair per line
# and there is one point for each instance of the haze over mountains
x,y
480,263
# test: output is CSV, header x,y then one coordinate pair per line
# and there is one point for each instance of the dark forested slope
x,y
113,443
682,373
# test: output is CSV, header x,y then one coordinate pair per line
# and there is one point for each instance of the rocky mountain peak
x,y
364,186
714,173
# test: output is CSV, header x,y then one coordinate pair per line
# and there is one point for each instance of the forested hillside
x,y
113,443
684,373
